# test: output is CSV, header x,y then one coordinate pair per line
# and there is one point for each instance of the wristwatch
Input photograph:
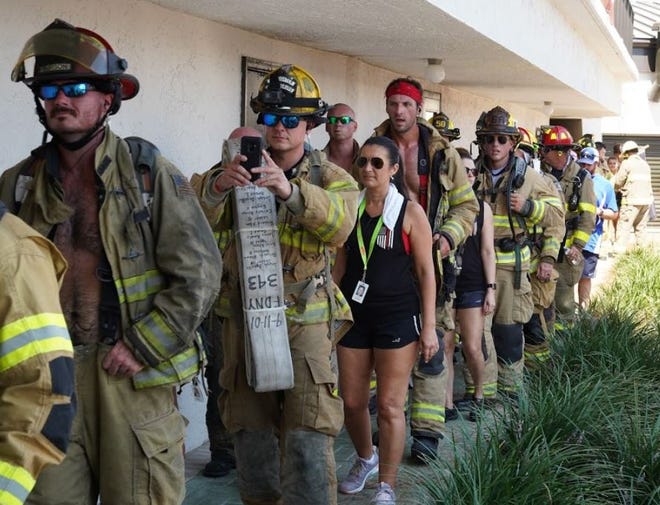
x,y
491,285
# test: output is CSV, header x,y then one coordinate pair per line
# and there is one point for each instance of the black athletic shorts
x,y
371,333
469,299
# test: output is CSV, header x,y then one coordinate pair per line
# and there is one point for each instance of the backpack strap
x,y
143,154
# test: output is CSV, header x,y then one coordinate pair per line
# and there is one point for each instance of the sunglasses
x,y
376,162
472,171
70,90
340,119
287,121
501,139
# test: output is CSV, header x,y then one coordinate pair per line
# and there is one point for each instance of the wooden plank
x,y
268,356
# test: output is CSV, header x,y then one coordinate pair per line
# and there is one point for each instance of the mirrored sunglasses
x,y
501,139
339,119
70,90
287,121
376,162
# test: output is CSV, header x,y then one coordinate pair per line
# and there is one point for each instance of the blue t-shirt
x,y
605,199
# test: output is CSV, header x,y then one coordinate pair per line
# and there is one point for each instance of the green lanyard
x,y
363,252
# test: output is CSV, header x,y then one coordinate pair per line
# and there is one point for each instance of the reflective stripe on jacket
x,y
36,360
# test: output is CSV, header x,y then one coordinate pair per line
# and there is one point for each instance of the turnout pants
x,y
296,427
537,329
631,227
514,307
126,446
427,413
569,275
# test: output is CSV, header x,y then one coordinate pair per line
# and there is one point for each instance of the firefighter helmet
x,y
556,137
586,140
497,121
445,126
62,51
527,141
289,90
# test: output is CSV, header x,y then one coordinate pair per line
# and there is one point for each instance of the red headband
x,y
404,88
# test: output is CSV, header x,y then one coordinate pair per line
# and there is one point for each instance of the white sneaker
x,y
362,469
384,495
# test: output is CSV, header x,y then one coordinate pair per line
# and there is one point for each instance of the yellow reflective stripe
x,y
420,410
581,236
506,258
223,238
454,230
335,218
299,239
132,289
540,356
554,201
15,484
158,335
181,367
490,389
460,195
587,207
538,211
500,221
33,335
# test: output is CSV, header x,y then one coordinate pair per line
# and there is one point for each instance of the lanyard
x,y
363,252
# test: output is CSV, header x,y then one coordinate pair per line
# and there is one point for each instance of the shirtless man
x,y
342,148
435,178
140,279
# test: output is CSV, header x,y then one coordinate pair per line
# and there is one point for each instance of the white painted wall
x,y
190,76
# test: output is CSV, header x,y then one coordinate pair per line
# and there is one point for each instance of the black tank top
x,y
472,276
392,293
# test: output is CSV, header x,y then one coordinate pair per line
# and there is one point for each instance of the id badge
x,y
360,292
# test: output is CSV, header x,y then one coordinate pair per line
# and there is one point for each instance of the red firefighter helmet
x,y
557,137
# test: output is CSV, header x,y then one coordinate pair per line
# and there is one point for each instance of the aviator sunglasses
x,y
340,119
70,90
501,139
287,121
376,162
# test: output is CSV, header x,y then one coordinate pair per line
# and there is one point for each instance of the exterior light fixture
x,y
547,108
435,71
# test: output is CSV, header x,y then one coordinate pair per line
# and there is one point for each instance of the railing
x,y
623,21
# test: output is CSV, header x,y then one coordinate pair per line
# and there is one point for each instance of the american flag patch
x,y
183,187
385,238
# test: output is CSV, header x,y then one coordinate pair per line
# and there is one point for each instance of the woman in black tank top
x,y
475,298
385,270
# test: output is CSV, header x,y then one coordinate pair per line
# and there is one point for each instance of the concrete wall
x,y
190,75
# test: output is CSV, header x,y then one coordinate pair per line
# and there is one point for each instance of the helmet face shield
x,y
68,53
68,46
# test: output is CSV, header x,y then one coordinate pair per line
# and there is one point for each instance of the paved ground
x,y
224,491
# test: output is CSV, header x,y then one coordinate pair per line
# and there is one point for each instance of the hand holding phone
x,y
251,149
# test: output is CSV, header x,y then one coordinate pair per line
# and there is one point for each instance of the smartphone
x,y
251,149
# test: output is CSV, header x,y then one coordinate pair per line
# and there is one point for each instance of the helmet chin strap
x,y
69,146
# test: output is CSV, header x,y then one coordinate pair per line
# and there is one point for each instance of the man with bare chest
x,y
435,178
141,277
